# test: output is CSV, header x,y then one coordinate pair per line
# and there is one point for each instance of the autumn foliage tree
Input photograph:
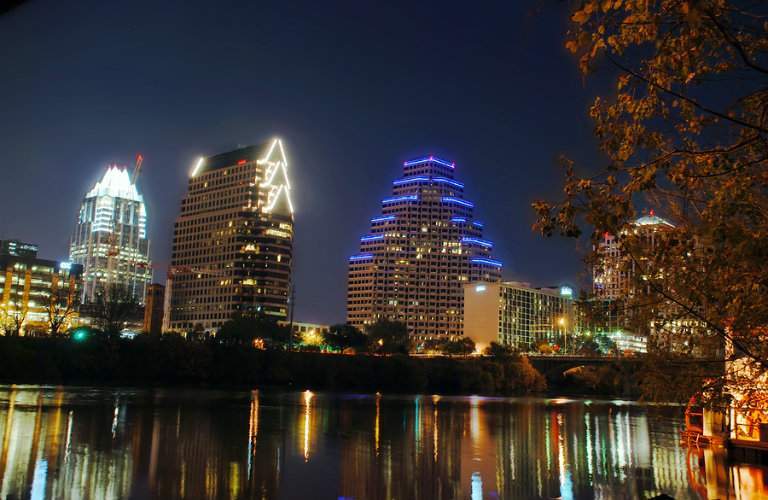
x,y
684,130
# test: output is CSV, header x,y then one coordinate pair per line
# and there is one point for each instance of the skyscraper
x,y
420,251
613,274
110,237
233,239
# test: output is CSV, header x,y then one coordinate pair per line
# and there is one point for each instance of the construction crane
x,y
197,270
137,168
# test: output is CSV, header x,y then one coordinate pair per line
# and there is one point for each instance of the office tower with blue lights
x,y
420,251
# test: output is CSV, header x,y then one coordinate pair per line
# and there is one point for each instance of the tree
x,y
389,337
605,344
433,346
62,307
497,350
545,348
587,347
463,346
13,323
345,336
685,131
114,306
243,330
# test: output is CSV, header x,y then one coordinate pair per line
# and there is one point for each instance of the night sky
x,y
353,88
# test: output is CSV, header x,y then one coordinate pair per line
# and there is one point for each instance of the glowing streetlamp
x,y
561,322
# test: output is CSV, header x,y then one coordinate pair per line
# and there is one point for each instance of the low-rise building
x,y
154,309
302,329
518,315
36,293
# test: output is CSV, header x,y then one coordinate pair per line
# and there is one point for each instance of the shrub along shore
x,y
170,360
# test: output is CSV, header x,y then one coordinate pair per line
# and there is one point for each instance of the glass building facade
x,y
420,250
233,240
518,315
110,238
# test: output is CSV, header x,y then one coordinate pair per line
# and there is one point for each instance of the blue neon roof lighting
x,y
484,243
449,181
395,199
406,180
419,178
372,237
459,201
458,219
383,218
362,256
478,224
429,159
490,262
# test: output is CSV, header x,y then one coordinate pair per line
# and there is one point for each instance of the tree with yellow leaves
x,y
685,130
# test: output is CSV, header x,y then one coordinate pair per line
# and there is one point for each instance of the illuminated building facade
x,y
617,282
233,239
419,252
33,289
110,238
517,315
612,276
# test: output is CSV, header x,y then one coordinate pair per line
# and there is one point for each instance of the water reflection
x,y
91,443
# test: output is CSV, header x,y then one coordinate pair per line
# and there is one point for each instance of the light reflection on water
x,y
112,443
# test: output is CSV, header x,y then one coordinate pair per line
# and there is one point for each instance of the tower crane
x,y
137,168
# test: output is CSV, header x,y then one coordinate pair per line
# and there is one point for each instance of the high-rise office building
x,y
623,292
233,239
35,291
518,315
420,251
110,238
613,274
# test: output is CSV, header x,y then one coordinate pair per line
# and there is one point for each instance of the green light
x,y
80,335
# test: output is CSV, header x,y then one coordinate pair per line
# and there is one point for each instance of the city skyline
x,y
507,142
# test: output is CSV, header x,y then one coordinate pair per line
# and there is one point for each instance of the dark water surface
x,y
123,443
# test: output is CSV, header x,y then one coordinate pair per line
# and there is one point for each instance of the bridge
x,y
554,366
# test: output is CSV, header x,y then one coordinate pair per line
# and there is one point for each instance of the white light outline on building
x,y
197,166
273,167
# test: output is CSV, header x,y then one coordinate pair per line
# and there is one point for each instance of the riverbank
x,y
170,361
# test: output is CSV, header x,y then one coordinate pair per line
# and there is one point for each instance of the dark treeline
x,y
171,360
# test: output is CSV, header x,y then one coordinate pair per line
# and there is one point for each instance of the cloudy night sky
x,y
353,88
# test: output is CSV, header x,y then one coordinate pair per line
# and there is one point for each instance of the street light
x,y
561,322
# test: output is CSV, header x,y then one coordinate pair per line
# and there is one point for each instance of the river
x,y
99,443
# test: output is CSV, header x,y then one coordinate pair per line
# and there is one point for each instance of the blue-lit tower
x,y
420,251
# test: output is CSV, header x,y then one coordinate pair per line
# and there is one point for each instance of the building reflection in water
x,y
90,443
